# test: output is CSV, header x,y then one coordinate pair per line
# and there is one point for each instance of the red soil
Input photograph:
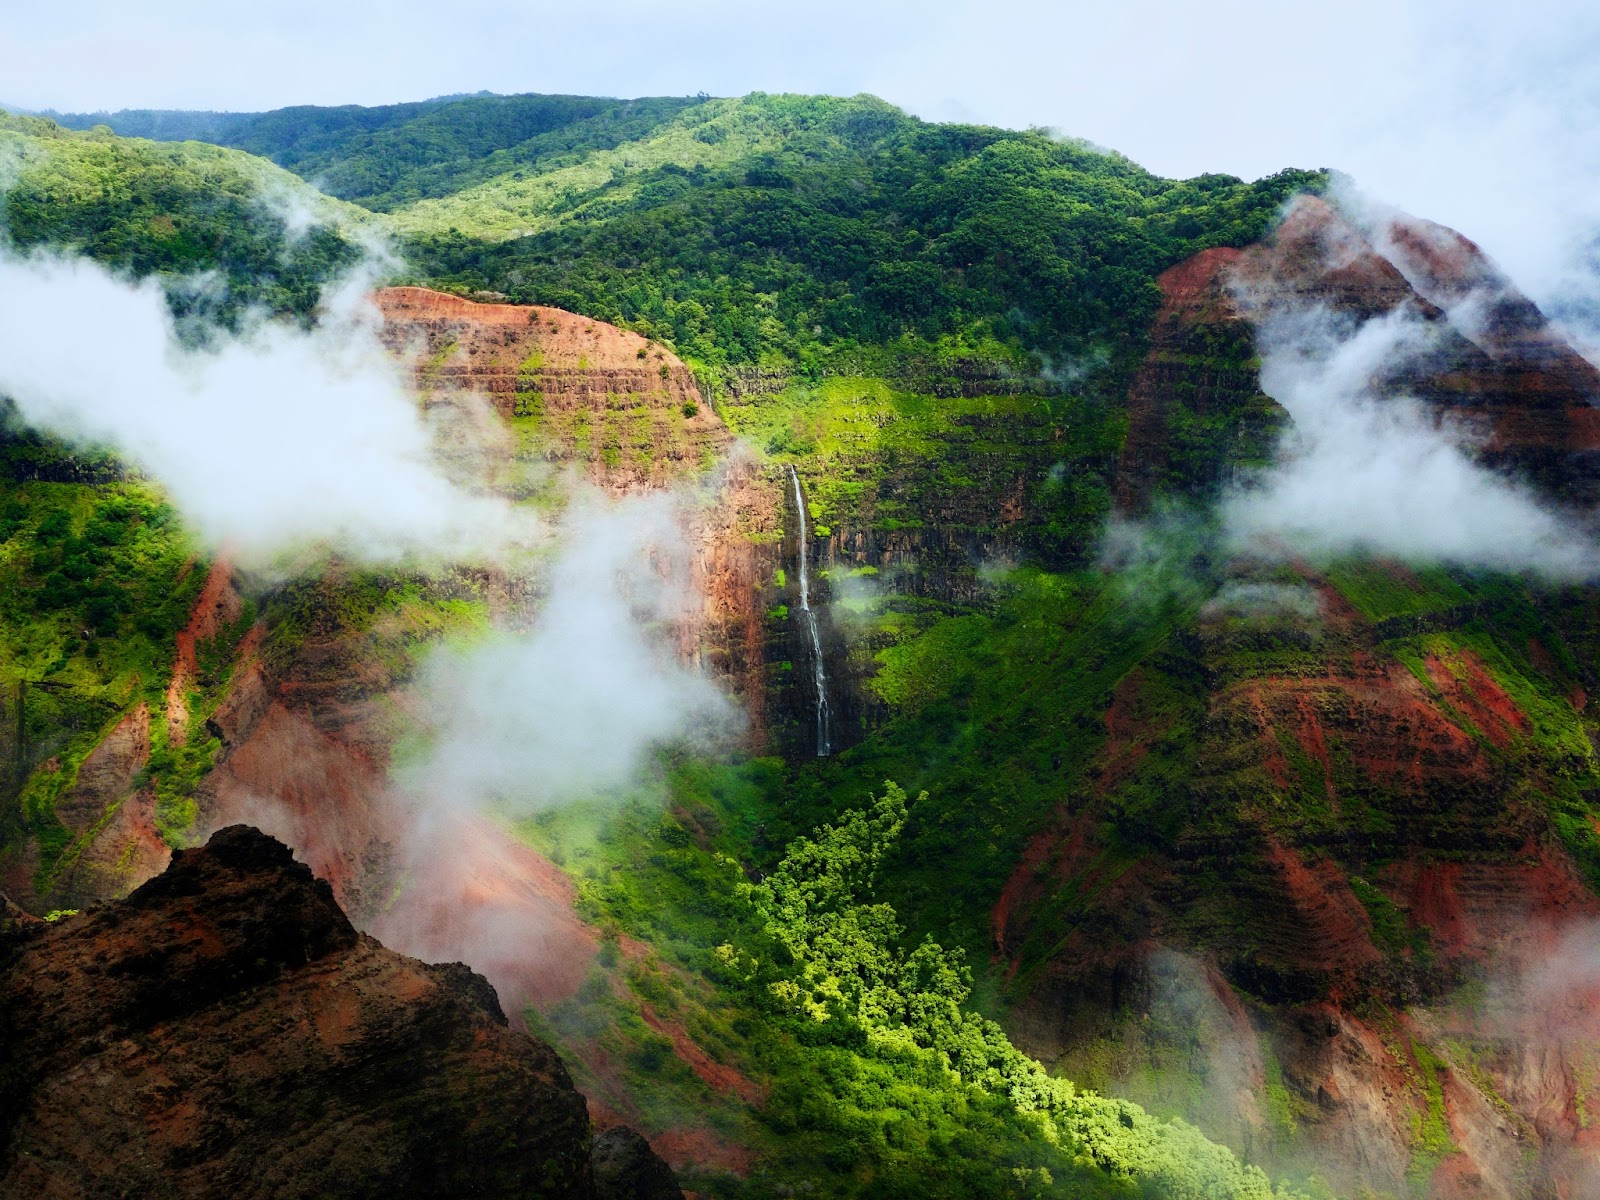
x,y
719,1077
1481,909
1321,925
1067,853
1507,374
1395,733
500,906
575,365
686,1147
1023,882
1128,734
315,791
1478,697
217,605
107,772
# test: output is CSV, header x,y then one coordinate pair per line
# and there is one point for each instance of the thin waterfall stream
x,y
819,668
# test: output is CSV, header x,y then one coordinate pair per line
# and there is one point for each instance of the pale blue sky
x,y
1483,115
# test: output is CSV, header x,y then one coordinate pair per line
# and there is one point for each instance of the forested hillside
x,y
1113,812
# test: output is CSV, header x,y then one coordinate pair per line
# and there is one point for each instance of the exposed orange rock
x,y
217,606
718,1076
613,404
497,904
1499,367
607,400
1317,923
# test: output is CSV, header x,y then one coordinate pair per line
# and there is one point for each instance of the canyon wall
x,y
225,1031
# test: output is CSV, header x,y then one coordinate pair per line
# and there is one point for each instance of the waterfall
x,y
819,669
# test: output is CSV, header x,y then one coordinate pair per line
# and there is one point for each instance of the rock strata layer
x,y
224,1031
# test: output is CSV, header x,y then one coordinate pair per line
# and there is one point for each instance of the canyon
x,y
1342,949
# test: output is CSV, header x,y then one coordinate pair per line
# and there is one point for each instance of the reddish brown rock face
x,y
1361,838
606,400
225,1032
1199,367
1494,364
627,413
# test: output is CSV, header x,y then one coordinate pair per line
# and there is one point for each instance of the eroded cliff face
x,y
305,706
1493,365
626,413
1196,412
578,392
1352,941
224,1031
1331,942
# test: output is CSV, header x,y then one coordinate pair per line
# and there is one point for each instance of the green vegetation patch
x,y
882,1082
175,210
1380,589
796,231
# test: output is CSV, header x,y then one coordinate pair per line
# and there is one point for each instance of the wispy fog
x,y
576,704
1361,472
266,441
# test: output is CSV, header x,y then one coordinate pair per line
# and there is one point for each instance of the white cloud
x,y
577,704
1362,472
266,442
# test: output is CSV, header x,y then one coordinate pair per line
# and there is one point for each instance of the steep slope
x,y
1335,798
301,725
1494,366
290,712
224,1031
1328,819
392,154
573,390
297,730
146,207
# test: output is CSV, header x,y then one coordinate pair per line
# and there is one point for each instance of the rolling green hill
x,y
395,154
782,230
767,230
175,210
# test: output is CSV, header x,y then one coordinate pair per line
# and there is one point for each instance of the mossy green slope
x,y
792,230
175,210
391,155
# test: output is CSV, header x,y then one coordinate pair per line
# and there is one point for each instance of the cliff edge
x,y
225,1031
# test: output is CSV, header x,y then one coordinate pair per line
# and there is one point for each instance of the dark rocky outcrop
x,y
225,1031
625,1168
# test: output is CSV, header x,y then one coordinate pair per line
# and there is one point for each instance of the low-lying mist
x,y
268,441
575,704
576,707
1360,472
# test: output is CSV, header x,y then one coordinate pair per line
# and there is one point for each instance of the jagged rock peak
x,y
225,1031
